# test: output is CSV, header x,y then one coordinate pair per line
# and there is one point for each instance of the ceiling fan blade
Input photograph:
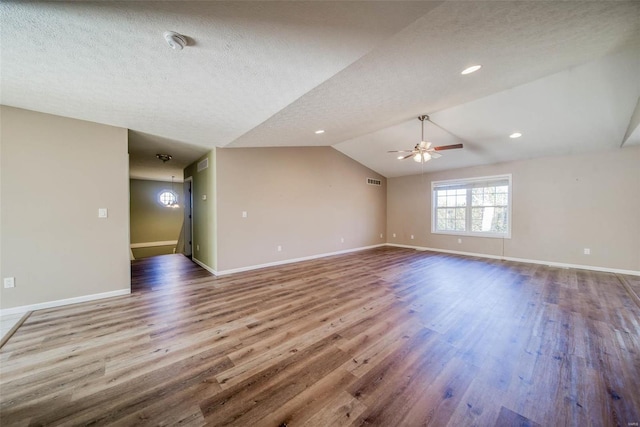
x,y
400,151
406,157
435,155
447,147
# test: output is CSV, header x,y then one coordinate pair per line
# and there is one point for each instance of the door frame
x,y
188,216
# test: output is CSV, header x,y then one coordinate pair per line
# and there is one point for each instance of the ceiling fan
x,y
423,151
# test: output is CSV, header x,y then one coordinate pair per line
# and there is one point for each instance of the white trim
x,y
292,260
525,260
154,244
188,213
205,266
469,206
61,302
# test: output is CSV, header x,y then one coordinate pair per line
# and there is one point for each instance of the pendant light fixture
x,y
174,202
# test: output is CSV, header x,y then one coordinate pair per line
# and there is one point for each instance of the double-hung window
x,y
472,207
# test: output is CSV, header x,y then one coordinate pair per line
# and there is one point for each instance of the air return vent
x,y
203,164
372,181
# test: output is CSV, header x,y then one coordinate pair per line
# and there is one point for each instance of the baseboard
x,y
292,260
153,244
203,265
525,260
61,302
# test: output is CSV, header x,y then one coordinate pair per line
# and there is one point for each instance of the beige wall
x,y
150,221
304,199
561,205
55,174
204,211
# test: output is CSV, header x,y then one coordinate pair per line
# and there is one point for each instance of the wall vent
x,y
203,164
372,181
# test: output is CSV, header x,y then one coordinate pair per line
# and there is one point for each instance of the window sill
x,y
468,234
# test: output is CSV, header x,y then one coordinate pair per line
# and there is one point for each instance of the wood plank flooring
x,y
388,337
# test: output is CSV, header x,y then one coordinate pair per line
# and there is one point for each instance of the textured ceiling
x,y
586,108
270,73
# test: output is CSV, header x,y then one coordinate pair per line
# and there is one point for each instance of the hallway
x,y
163,271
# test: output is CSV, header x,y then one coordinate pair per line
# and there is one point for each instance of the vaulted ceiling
x,y
261,74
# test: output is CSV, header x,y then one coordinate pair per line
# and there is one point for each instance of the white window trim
x,y
465,181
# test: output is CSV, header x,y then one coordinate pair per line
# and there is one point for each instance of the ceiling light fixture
x,y
173,203
471,69
423,151
164,157
515,135
174,40
422,157
319,131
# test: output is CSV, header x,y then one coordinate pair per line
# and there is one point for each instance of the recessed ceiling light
x,y
319,131
471,69
515,135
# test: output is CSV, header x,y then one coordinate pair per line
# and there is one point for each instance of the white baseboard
x,y
286,261
203,265
153,244
61,302
525,260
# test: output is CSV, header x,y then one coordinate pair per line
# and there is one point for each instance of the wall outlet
x,y
244,214
412,237
342,240
102,213
394,234
204,197
9,282
459,240
197,247
381,235
587,251
279,248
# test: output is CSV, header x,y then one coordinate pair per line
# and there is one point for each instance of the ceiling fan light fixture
x,y
471,69
515,135
319,131
422,157
423,151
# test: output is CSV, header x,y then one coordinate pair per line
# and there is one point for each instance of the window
x,y
168,198
472,207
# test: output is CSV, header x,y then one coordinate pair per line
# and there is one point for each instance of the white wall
x,y
56,172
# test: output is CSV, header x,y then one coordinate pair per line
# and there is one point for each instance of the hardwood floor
x,y
388,337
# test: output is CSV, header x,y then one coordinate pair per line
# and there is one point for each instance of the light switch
x,y
204,197
244,214
102,213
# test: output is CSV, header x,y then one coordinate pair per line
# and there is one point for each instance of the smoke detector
x,y
174,40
